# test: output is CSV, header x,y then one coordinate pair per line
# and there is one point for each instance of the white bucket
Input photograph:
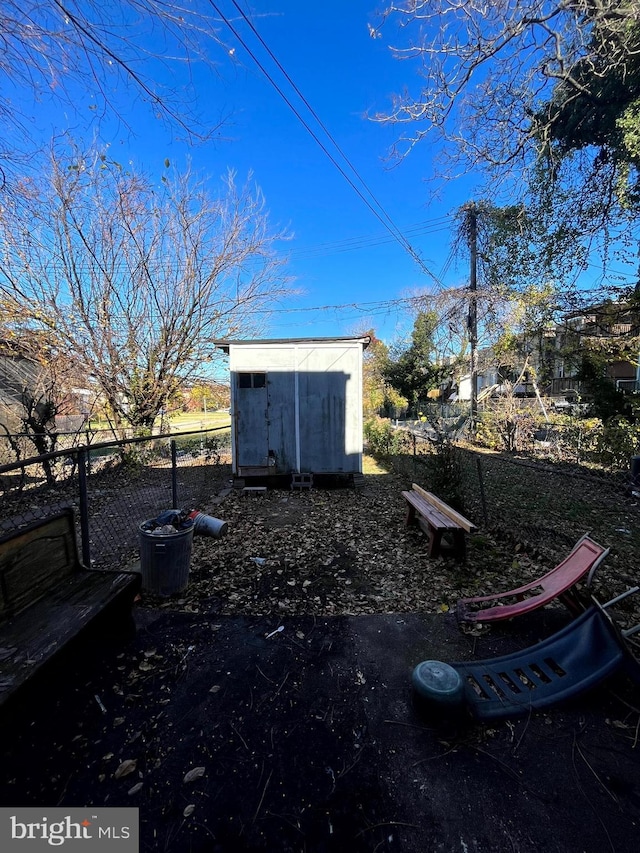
x,y
207,525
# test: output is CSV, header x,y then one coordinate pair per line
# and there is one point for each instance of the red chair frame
x,y
559,583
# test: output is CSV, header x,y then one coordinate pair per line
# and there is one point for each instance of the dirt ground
x,y
231,735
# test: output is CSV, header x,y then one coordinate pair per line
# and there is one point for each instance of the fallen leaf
x,y
192,775
126,767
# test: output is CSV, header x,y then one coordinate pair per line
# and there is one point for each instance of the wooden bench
x,y
436,518
47,597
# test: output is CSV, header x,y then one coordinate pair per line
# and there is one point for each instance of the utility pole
x,y
472,231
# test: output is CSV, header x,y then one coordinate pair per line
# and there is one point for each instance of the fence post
x,y
413,437
579,445
84,507
483,499
174,474
88,440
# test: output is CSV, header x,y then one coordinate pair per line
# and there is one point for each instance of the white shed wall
x,y
314,408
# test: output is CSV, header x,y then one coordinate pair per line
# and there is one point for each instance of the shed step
x,y
358,481
302,481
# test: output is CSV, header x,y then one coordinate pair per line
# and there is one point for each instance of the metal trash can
x,y
165,559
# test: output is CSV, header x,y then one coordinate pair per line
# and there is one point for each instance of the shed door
x,y
252,420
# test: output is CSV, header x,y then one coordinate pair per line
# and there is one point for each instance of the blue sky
x,y
340,253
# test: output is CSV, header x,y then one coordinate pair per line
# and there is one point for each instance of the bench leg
x,y
435,540
459,549
411,515
459,546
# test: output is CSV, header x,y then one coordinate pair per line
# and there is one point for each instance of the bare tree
x,y
543,94
134,278
489,70
81,53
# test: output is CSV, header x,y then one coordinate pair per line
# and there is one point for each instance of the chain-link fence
x,y
533,427
546,507
114,486
67,436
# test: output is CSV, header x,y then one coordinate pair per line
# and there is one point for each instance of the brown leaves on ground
x,y
336,551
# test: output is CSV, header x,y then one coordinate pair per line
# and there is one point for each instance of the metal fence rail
x,y
114,486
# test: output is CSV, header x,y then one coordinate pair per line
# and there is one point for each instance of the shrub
x,y
577,438
382,439
506,429
617,442
443,462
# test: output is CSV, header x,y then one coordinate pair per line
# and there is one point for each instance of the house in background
x,y
609,326
296,406
28,386
20,378
555,355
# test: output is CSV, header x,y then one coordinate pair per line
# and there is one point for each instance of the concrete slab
x,y
310,740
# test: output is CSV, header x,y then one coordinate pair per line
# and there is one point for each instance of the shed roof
x,y
224,345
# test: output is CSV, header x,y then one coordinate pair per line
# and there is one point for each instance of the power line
x,y
357,306
363,241
612,272
366,241
385,219
316,117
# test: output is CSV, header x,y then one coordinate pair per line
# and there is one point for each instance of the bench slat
x,y
47,597
29,640
440,520
463,522
35,560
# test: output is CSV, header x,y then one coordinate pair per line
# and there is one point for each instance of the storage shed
x,y
296,406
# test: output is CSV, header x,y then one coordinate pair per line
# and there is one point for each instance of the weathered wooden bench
x,y
48,597
437,518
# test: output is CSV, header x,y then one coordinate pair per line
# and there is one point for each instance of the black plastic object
x,y
178,518
571,661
